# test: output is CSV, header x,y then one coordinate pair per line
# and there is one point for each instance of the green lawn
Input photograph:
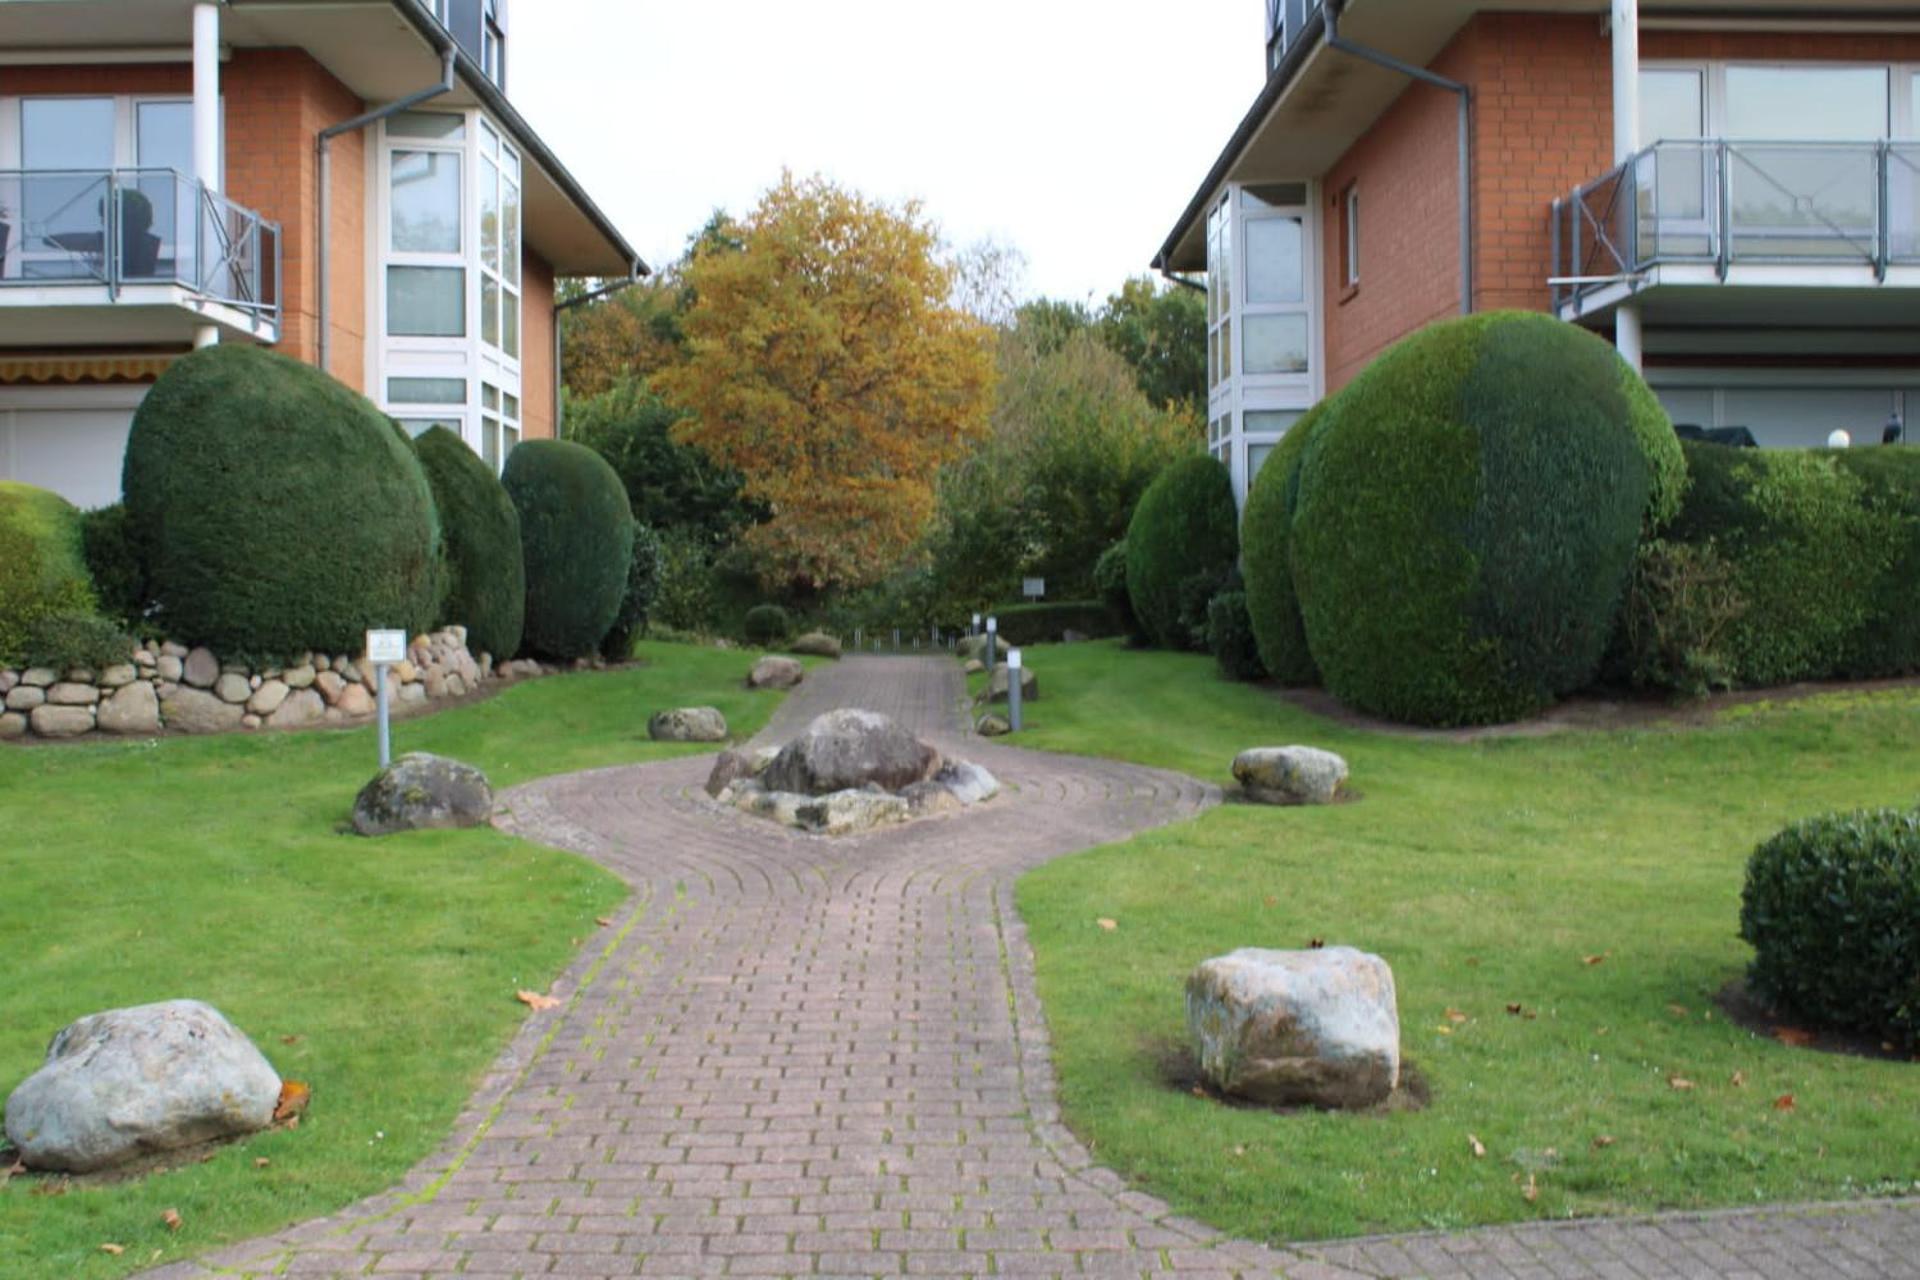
x,y
381,972
1487,874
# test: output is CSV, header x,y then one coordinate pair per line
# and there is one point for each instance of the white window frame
x,y
1901,88
1350,243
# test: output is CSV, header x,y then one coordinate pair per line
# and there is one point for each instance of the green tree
x,y
673,487
1161,332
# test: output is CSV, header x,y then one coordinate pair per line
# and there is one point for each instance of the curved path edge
x,y
797,1056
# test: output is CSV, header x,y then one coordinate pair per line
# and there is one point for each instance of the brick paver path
x,y
800,1056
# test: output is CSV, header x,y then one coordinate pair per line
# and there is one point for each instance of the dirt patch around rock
x,y
1178,1068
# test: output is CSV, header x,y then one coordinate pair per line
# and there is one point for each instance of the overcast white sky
x,y
1074,129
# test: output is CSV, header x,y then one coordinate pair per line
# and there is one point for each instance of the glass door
x,y
67,149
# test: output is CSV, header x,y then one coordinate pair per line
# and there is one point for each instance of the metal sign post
x,y
384,649
993,634
1013,690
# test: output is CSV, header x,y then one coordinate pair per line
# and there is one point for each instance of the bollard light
x,y
1013,690
1840,440
974,630
993,638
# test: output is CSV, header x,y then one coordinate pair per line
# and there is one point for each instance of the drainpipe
x,y
1627,337
1465,92
559,337
323,144
1182,281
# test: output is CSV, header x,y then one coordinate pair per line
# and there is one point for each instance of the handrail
x,y
1722,202
137,226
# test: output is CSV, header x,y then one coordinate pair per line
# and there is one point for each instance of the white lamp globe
x,y
1839,440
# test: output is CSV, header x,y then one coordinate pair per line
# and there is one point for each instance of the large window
x,y
1806,104
499,243
1275,329
426,263
1220,293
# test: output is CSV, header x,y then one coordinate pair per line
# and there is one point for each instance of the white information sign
x,y
386,646
1033,588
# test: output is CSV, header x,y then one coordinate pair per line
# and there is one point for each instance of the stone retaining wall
x,y
170,687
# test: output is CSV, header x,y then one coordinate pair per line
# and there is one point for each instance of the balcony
x,y
137,256
1807,226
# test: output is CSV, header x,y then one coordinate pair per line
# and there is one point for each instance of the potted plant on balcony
x,y
139,247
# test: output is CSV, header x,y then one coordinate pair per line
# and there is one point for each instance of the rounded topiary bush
x,y
1230,636
1266,530
1467,516
576,530
486,571
636,605
43,571
1110,581
1832,910
1182,544
275,510
767,624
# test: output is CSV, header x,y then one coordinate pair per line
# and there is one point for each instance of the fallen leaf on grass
x,y
1519,1010
1593,960
1272,900
261,1162
294,1097
1794,1036
1783,1103
604,922
1315,944
289,1039
1478,1147
1679,1082
1739,1080
1454,1015
1108,925
1444,1030
115,1249
1604,1141
535,1001
19,1167
171,1219
1531,1191
1677,1010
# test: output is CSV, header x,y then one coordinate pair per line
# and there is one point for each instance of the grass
x,y
380,972
1487,874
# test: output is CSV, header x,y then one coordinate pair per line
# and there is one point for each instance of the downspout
x,y
1465,92
559,338
323,144
1175,278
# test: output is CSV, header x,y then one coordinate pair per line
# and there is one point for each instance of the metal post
x,y
857,641
896,639
1013,690
993,635
380,695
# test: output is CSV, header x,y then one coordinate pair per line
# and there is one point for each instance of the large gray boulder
x,y
816,644
133,1082
197,711
738,766
1000,682
1291,775
420,792
969,783
776,673
850,749
133,709
847,812
1297,1028
688,724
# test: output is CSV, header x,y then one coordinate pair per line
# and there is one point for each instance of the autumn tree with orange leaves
x,y
826,364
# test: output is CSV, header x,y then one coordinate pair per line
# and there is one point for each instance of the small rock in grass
x,y
688,724
1291,775
423,792
992,727
775,673
816,644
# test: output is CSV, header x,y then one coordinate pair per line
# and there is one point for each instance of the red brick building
x,y
1730,191
342,180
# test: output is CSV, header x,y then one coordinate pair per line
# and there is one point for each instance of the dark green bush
x,y
1184,540
63,641
643,584
1048,622
114,562
1467,517
576,530
767,624
1832,909
685,601
1681,605
42,569
1110,580
1817,551
1230,636
486,573
277,511
1266,532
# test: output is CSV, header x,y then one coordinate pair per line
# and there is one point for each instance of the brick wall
x,y
536,347
277,102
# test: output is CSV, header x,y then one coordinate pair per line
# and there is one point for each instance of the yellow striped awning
x,y
125,368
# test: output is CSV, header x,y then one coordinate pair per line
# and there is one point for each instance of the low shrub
x,y
767,624
1467,516
114,562
63,641
1110,580
1889,642
576,531
1183,542
1266,531
42,568
643,584
685,599
1832,909
1230,636
275,510
1681,606
486,587
1048,622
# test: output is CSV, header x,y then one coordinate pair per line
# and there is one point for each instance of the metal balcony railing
x,y
123,227
1720,203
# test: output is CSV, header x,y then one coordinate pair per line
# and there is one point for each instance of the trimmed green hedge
x,y
643,585
1110,580
1467,517
1230,636
486,571
1823,547
1273,608
114,562
1046,622
42,569
276,511
576,528
766,623
63,641
1182,544
1832,908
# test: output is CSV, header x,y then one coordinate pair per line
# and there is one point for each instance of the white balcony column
x,y
206,121
1626,141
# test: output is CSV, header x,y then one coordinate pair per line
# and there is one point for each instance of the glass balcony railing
x,y
1721,203
122,227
